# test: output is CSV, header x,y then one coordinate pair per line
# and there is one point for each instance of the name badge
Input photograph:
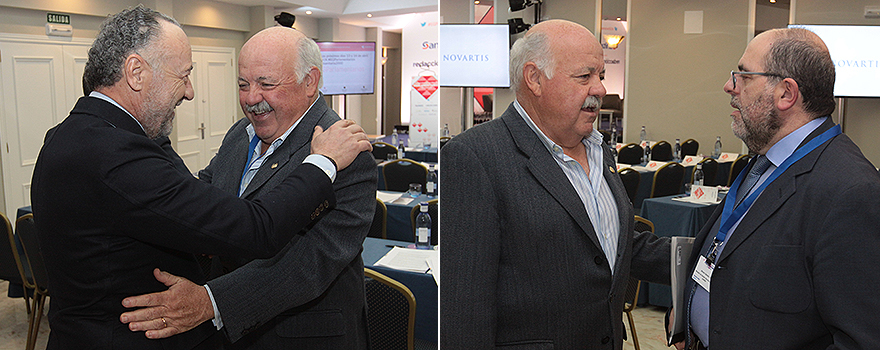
x,y
703,273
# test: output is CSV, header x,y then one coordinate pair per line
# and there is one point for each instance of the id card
x,y
703,273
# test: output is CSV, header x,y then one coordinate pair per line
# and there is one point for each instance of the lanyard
x,y
247,166
730,215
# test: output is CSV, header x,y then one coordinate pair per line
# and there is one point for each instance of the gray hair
x,y
309,56
533,47
121,34
798,54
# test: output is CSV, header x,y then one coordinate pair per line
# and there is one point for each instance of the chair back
x,y
391,312
668,180
400,173
630,154
710,171
738,165
631,179
27,233
661,151
402,128
379,226
444,140
432,211
689,147
381,150
11,263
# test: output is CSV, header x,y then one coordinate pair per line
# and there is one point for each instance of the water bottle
x,y
400,150
643,137
646,157
613,143
717,152
445,131
677,151
423,227
431,182
395,139
698,175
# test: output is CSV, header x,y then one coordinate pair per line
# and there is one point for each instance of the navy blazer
x,y
110,205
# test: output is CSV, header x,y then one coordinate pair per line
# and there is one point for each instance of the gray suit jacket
x,y
522,265
800,271
310,295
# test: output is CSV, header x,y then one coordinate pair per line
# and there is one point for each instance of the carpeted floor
x,y
14,324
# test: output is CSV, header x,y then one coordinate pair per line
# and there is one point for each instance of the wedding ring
x,y
164,323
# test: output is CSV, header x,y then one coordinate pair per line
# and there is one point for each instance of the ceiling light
x,y
772,1
476,2
309,12
369,15
618,18
613,40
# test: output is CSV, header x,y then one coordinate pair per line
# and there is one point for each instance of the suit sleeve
x,y
470,230
257,292
844,271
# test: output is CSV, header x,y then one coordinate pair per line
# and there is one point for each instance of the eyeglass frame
x,y
766,74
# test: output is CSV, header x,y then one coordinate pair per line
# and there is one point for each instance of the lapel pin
x,y
612,169
274,165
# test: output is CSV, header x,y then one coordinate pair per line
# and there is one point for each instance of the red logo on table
x,y
688,159
652,164
699,193
426,86
723,156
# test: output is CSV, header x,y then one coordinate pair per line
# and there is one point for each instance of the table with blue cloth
x,y
399,226
672,218
416,154
646,180
422,286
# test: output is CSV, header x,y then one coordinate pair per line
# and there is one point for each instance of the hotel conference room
x,y
665,115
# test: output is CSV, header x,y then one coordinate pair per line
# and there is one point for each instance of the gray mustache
x,y
592,102
259,108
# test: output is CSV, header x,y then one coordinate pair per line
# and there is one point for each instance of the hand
x,y
182,307
679,345
342,142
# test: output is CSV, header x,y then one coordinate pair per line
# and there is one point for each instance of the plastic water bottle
x,y
400,150
717,152
698,175
677,151
445,131
395,139
646,157
431,182
643,137
423,227
613,143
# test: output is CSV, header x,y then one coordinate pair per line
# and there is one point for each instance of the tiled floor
x,y
14,323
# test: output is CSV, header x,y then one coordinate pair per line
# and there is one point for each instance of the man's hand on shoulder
x,y
341,142
182,307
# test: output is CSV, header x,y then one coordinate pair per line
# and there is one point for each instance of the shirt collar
x,y
595,138
785,147
251,132
99,95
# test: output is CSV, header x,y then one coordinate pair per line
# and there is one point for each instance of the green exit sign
x,y
57,18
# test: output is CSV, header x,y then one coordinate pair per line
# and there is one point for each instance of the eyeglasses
x,y
734,73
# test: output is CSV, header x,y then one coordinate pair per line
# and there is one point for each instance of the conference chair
x,y
379,226
631,297
444,140
400,173
631,179
12,265
710,172
738,165
27,233
381,150
689,147
402,128
391,312
661,151
432,211
668,180
630,154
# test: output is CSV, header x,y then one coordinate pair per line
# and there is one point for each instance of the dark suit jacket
x,y
522,265
311,295
111,205
800,272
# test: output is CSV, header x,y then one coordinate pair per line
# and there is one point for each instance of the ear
x,y
135,71
533,78
788,94
311,80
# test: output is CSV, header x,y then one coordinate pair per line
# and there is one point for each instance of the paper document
x,y
434,264
389,197
414,260
681,248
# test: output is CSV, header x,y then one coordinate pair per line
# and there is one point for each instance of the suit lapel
x,y
545,169
299,137
776,194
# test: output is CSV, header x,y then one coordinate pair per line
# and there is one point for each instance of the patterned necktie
x,y
760,166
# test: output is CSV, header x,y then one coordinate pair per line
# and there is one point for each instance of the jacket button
x,y
606,340
598,260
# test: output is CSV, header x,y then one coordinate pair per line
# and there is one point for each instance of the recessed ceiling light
x,y
618,18
369,15
476,2
772,1
309,12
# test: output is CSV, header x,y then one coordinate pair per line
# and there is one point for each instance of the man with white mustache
x,y
537,229
311,294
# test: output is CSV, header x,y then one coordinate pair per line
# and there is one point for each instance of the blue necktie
x,y
760,166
